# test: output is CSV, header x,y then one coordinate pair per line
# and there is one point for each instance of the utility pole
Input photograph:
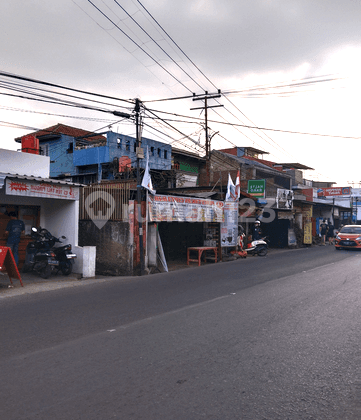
x,y
140,155
204,97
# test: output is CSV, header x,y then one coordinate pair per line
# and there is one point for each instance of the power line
x,y
178,46
162,49
142,49
249,126
27,79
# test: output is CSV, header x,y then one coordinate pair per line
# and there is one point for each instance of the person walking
x,y
13,231
323,227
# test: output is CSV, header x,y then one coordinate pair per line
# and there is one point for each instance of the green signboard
x,y
257,187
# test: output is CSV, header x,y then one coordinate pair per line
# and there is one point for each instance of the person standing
x,y
13,231
330,233
323,227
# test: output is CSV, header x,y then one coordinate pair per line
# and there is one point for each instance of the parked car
x,y
349,237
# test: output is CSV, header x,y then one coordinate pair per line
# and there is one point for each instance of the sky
x,y
287,68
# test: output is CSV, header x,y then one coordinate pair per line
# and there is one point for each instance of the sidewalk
x,y
35,284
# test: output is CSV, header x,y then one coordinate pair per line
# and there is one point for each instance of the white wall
x,y
60,217
24,163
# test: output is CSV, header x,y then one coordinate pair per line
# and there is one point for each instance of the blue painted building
x,y
85,157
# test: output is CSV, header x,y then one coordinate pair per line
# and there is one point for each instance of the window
x,y
44,149
159,153
152,151
127,145
70,148
165,154
119,143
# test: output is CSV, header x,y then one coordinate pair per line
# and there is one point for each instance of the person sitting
x,y
257,232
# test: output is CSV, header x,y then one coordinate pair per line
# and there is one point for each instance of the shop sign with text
x,y
257,187
168,208
332,192
41,189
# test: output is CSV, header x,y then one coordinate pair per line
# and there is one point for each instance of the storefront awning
x,y
30,186
3,176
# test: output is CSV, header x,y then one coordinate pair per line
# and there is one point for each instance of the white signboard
x,y
229,229
168,208
41,189
284,199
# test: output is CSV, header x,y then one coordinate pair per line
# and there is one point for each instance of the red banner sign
x,y
331,192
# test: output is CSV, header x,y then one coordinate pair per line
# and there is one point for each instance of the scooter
x,y
44,258
39,256
258,247
65,256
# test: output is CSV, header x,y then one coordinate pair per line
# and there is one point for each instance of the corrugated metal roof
x,y
34,178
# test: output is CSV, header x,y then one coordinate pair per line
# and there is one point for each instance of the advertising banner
x,y
41,189
257,187
229,228
332,192
168,208
307,226
284,199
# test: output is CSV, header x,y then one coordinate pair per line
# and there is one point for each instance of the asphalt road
x,y
261,338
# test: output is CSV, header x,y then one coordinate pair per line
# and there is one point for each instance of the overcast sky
x,y
233,46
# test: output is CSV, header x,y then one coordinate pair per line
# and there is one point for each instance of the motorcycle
x,y
44,258
258,247
65,256
39,257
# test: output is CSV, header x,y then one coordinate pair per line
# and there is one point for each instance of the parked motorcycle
x,y
39,256
44,258
65,256
258,247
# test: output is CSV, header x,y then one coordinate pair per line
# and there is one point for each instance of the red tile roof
x,y
66,130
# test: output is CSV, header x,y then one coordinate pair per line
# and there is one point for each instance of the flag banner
x,y
233,191
147,180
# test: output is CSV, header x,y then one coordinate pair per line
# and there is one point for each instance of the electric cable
x,y
142,49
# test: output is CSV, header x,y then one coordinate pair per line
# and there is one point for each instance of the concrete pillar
x,y
89,256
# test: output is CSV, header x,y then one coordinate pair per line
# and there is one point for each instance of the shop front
x,y
181,223
49,203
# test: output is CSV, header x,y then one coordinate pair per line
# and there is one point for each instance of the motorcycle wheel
x,y
262,252
45,272
67,268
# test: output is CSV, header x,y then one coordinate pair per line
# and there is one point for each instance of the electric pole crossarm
x,y
205,97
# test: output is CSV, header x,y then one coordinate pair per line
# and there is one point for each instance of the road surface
x,y
262,338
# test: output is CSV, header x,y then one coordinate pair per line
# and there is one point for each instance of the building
x,y
84,157
25,187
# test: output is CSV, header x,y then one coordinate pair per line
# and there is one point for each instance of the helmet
x,y
257,222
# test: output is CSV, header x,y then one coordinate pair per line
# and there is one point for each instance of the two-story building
x,y
85,157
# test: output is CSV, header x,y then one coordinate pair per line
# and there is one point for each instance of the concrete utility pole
x,y
205,98
140,155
